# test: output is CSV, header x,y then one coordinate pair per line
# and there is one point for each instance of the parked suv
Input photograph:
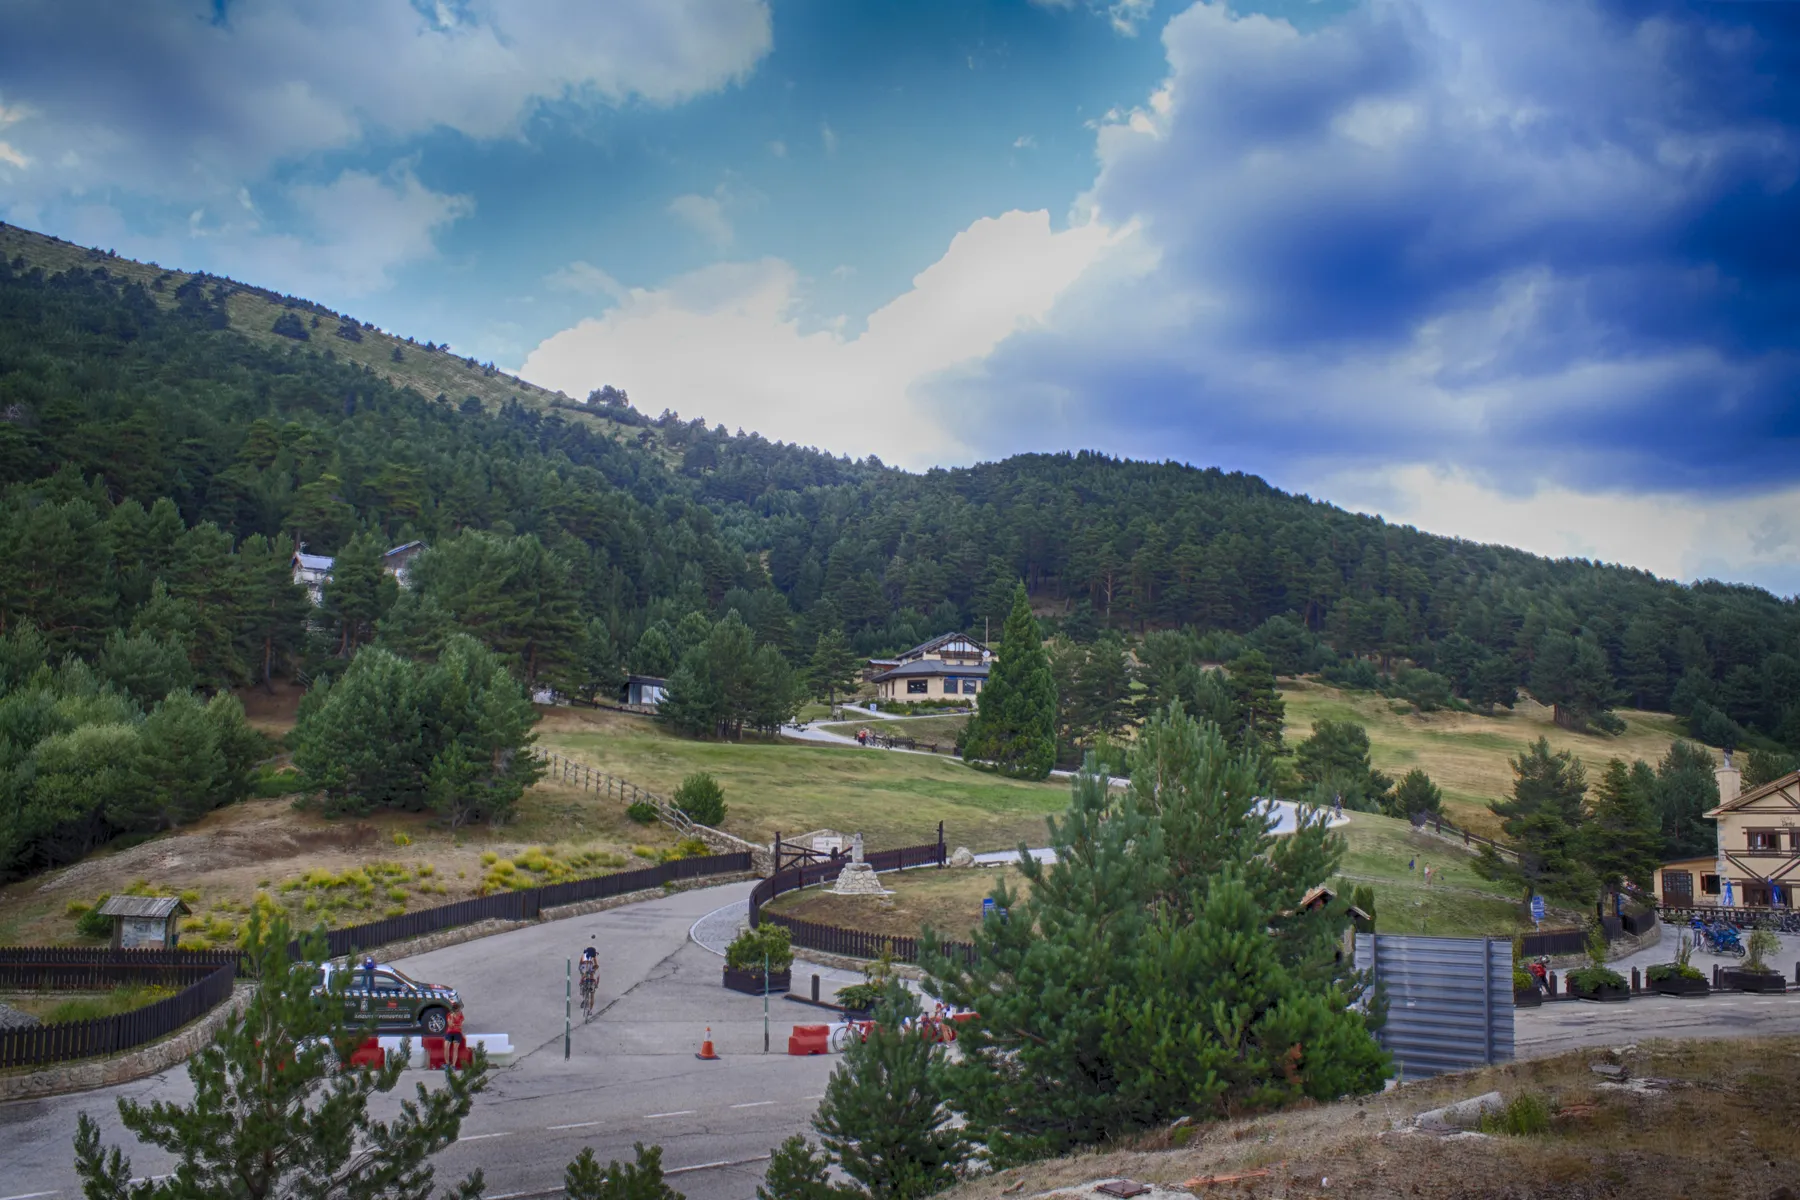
x,y
396,1002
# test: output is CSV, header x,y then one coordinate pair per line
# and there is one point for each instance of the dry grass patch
x,y
1466,754
947,900
1725,1128
340,872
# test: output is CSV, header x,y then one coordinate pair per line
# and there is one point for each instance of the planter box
x,y
751,982
1678,987
1527,998
1751,981
1606,993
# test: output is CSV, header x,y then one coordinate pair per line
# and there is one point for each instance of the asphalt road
x,y
632,1075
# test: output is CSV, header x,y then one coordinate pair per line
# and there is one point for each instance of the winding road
x,y
632,1075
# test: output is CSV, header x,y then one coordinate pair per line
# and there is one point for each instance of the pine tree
x,y
834,666
1686,789
597,671
799,1172
586,1179
883,1117
1543,819
274,608
1261,712
274,1115
1162,966
358,594
1014,726
1334,762
1416,794
1622,837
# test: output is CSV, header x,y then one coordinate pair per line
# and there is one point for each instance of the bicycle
x,y
842,1033
588,987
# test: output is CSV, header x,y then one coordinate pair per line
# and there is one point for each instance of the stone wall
x,y
153,1059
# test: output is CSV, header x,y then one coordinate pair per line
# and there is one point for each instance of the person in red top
x,y
453,1036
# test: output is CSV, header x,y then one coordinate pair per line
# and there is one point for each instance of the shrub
x,y
690,847
701,799
1524,1115
489,858
748,948
400,839
1674,970
91,924
1757,947
1522,981
1591,979
641,811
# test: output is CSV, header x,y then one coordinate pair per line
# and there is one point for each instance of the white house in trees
x,y
313,571
951,667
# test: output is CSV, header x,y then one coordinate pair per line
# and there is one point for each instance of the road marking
x,y
734,1162
577,1125
686,1112
35,1195
753,1104
819,1097
476,1137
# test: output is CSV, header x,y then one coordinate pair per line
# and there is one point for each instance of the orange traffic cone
x,y
706,1047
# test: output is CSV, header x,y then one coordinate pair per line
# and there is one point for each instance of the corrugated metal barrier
x,y
1450,1000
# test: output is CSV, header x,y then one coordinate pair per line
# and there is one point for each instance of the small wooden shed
x,y
144,922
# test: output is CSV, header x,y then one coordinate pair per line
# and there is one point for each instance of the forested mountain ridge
x,y
176,412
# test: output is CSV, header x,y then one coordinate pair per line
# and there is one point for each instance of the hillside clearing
x,y
791,788
1466,754
1457,902
342,872
1722,1127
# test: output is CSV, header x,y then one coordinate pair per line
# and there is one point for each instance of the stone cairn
x,y
858,877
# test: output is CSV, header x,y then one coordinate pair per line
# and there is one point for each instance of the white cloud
x,y
347,238
587,279
1752,538
9,154
706,215
170,103
726,342
1024,142
1125,16
778,148
829,137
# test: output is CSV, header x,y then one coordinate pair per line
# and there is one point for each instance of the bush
x,y
1592,979
1522,981
1524,1115
1757,947
92,924
748,948
1662,971
701,799
641,811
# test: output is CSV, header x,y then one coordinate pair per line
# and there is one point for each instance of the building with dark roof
x,y
951,667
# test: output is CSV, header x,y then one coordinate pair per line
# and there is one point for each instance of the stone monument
x,y
858,877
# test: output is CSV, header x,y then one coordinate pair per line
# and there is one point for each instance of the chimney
x,y
1728,778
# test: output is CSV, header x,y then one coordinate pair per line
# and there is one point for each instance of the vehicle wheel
x,y
840,1038
434,1021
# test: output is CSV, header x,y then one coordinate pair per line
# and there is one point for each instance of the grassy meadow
x,y
1457,902
1466,754
792,788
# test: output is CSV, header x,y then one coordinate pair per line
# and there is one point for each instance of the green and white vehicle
x,y
396,1002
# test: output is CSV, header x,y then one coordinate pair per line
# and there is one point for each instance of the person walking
x,y
1427,874
369,973
454,1042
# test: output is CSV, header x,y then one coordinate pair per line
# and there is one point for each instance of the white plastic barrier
x,y
498,1045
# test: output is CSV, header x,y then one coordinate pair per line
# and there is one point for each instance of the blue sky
x,y
1522,273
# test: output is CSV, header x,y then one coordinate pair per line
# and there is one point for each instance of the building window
x,y
1678,887
1765,839
917,687
1709,885
971,686
952,684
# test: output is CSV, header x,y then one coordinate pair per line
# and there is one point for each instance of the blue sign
x,y
1537,909
987,908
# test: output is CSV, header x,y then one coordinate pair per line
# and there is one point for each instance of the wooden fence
x,y
834,939
208,974
67,1040
589,779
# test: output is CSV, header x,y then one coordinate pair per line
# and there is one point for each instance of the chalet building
x,y
951,666
310,572
313,571
646,690
1757,864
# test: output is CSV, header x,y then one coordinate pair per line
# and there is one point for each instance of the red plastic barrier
x,y
434,1052
810,1039
369,1054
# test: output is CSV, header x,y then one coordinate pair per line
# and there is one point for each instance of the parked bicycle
x,y
847,1030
